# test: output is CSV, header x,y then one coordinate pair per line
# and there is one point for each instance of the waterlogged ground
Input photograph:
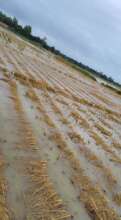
x,y
60,139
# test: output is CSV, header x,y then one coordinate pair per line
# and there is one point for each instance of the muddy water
x,y
14,156
58,169
9,137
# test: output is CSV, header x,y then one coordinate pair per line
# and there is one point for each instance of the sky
x,y
88,31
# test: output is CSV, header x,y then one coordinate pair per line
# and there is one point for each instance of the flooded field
x,y
60,139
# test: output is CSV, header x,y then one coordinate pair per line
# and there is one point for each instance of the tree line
x,y
26,31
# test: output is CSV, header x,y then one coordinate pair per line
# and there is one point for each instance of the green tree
x,y
15,22
27,30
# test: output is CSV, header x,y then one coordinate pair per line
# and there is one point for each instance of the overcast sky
x,y
89,31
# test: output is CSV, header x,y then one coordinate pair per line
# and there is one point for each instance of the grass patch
x,y
118,91
75,67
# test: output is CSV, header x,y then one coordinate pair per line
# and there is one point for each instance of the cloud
x,y
89,32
